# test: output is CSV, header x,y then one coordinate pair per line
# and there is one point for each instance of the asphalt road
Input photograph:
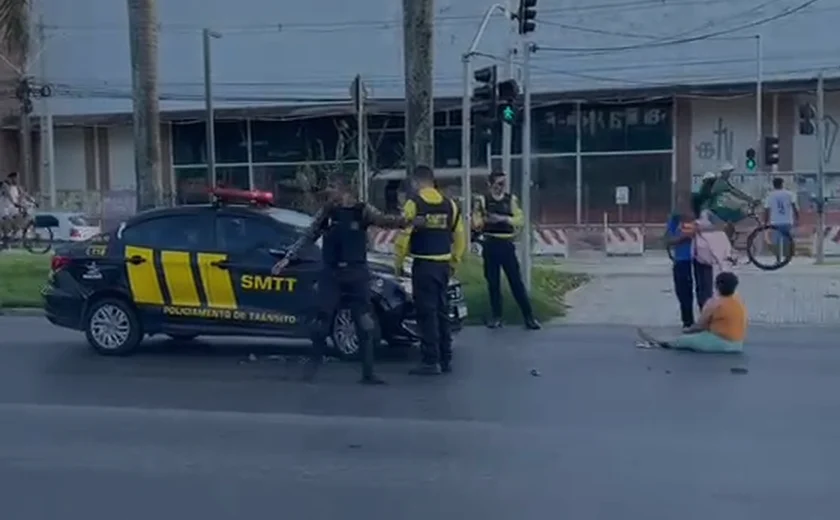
x,y
606,431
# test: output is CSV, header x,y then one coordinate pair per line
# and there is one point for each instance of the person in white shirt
x,y
781,209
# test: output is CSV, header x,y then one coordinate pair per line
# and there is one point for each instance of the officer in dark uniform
x,y
343,222
499,217
437,243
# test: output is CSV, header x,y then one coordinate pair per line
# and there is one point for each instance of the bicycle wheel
x,y
777,240
37,240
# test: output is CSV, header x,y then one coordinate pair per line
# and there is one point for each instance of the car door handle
x,y
222,264
135,260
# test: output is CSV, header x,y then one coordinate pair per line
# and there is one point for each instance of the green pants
x,y
706,342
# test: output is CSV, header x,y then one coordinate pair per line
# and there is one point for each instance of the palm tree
x,y
143,32
15,45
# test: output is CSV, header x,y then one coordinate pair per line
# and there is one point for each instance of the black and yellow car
x,y
205,270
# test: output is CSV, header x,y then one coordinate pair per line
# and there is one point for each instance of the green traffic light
x,y
751,164
509,114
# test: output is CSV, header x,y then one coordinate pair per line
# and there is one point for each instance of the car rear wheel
x,y
112,327
345,341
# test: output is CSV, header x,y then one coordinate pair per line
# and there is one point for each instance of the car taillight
x,y
75,233
59,262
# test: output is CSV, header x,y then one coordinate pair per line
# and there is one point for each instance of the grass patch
x,y
21,277
547,298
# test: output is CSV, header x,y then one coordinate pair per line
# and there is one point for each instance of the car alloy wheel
x,y
110,327
344,336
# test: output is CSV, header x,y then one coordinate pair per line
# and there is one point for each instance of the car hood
x,y
384,265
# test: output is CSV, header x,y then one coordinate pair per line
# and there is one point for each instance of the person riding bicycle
x,y
721,202
14,202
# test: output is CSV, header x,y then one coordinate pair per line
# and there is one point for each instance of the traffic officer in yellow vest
x,y
436,245
498,217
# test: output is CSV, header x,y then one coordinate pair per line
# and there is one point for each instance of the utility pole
x,y
759,97
359,95
143,38
209,114
527,233
24,95
418,26
47,127
507,130
819,133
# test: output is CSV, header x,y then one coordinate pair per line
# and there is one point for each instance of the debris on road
x,y
739,370
535,372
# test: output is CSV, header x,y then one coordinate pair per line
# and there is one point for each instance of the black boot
x,y
371,380
532,324
494,323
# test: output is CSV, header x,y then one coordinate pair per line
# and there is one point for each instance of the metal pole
x,y
820,169
578,162
507,133
774,126
527,238
210,131
358,91
674,162
466,149
759,78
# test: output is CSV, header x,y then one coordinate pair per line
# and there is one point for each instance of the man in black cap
x,y
343,222
437,243
499,218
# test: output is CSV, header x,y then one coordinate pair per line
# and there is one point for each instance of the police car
x,y
205,270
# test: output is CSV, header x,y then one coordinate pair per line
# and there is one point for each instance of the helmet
x,y
727,167
708,175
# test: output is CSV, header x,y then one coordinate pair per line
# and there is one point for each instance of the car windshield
x,y
293,218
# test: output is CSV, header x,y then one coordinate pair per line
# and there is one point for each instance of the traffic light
x,y
525,16
807,117
508,95
771,150
487,92
751,164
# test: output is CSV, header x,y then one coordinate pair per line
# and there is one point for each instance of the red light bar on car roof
x,y
230,195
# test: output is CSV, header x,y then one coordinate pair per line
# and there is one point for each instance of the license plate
x,y
462,311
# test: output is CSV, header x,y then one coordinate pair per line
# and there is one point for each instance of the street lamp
x,y
210,132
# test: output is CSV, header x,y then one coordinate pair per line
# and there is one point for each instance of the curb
x,y
21,312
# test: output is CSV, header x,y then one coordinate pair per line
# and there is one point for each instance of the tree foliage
x,y
14,27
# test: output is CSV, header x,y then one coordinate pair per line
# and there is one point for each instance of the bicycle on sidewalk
x,y
27,230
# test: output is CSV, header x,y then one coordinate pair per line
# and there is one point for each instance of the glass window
x,y
233,177
447,148
648,178
611,128
330,138
180,232
278,141
188,143
553,193
191,185
231,141
242,234
440,119
553,129
386,122
293,186
389,150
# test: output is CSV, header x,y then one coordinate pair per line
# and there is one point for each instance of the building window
x,y
233,177
189,143
231,142
648,178
614,128
278,141
191,185
554,129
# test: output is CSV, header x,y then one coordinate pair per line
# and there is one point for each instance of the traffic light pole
x,y
759,98
466,118
820,169
507,130
527,233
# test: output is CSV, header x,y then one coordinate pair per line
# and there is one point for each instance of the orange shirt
x,y
729,318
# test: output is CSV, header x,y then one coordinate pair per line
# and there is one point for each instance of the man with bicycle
x,y
14,202
723,203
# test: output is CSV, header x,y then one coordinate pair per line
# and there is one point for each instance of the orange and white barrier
x,y
623,240
831,241
548,241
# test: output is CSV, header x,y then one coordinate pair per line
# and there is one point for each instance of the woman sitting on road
x,y
722,326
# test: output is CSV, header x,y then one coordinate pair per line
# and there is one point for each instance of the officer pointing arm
x,y
310,235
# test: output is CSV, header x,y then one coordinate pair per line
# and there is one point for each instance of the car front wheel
x,y
112,328
345,340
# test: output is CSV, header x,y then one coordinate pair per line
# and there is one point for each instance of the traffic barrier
x,y
624,241
382,241
551,241
831,241
548,241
